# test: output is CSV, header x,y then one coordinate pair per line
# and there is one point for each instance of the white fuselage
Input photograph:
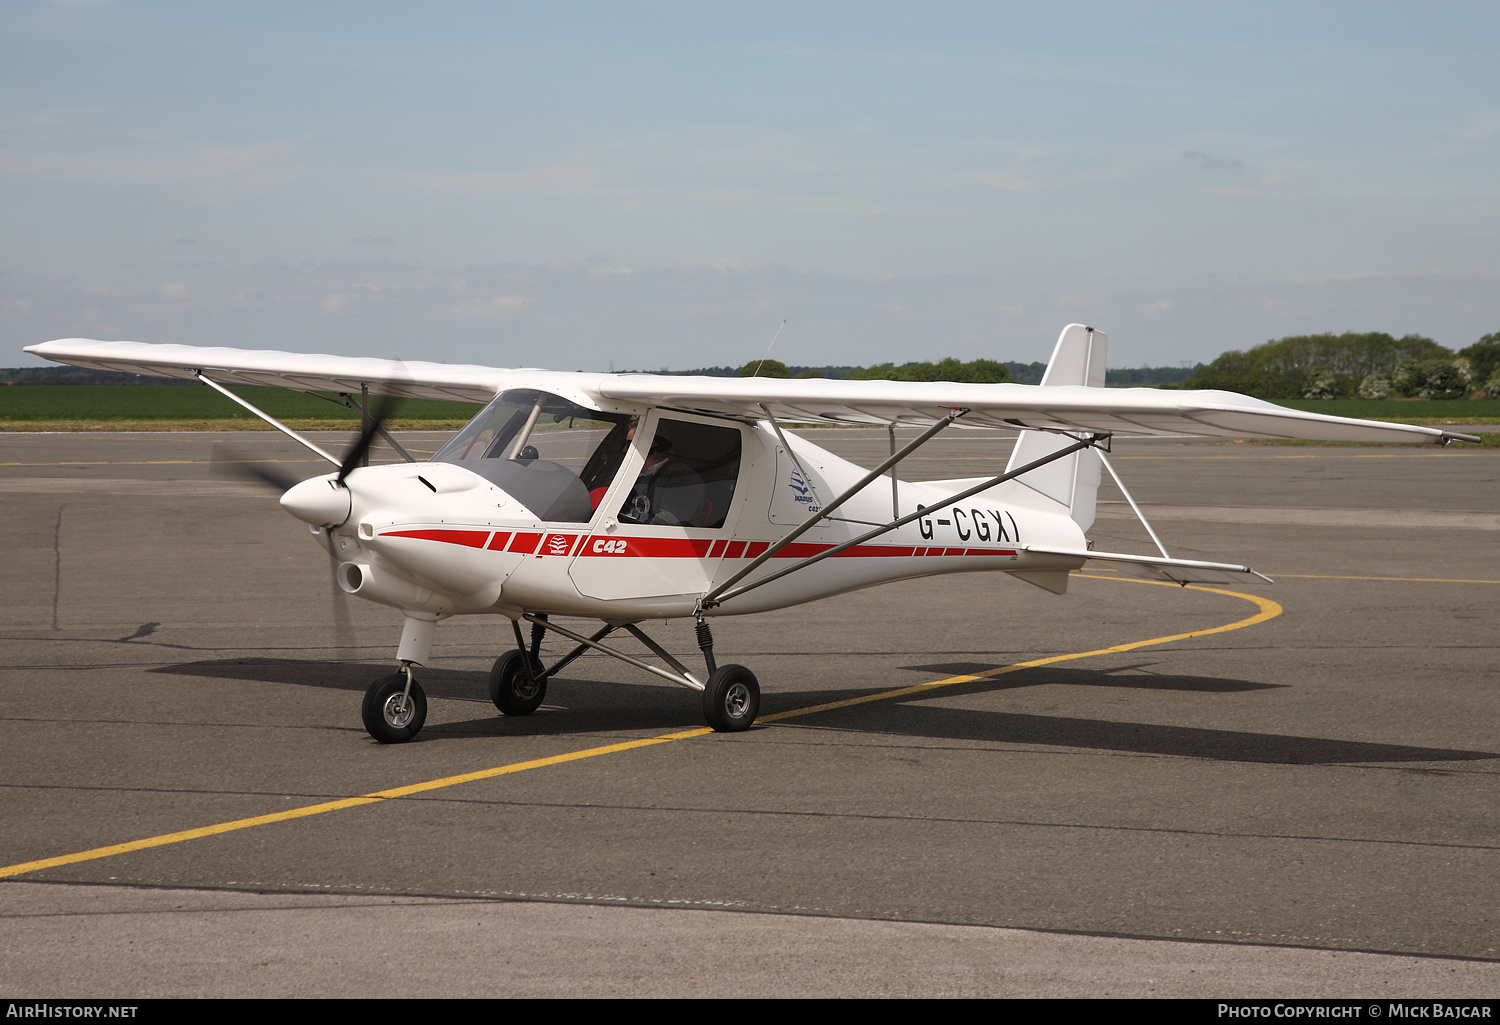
x,y
438,539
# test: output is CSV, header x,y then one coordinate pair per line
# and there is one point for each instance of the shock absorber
x,y
538,631
706,644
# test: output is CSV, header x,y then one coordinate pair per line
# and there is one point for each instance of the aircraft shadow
x,y
601,706
1142,738
914,717
590,706
350,676
1133,676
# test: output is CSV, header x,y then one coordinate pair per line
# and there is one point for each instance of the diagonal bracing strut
x,y
713,597
1131,499
683,677
723,593
283,428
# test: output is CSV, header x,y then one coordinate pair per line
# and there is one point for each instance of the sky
x,y
626,185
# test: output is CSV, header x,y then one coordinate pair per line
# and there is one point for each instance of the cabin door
x,y
670,512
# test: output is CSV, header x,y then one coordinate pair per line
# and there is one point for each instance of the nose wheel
x,y
395,707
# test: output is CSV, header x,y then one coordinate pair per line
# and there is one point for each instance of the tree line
x,y
1369,365
977,371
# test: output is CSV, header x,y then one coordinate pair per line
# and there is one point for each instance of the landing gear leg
x,y
395,707
706,642
538,632
731,699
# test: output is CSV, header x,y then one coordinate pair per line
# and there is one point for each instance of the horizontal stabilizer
x,y
1155,567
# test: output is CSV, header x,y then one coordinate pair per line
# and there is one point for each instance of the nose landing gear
x,y
395,707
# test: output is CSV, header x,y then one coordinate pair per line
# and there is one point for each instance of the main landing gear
x,y
731,699
518,683
395,706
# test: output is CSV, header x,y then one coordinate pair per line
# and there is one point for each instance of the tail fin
x,y
1072,481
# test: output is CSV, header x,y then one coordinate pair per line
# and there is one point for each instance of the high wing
x,y
293,370
1072,408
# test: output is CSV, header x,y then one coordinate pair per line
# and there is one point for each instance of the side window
x,y
689,476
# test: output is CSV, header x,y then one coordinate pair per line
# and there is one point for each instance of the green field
x,y
127,404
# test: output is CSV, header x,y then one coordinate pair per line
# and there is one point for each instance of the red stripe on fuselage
x,y
602,546
806,550
467,538
524,544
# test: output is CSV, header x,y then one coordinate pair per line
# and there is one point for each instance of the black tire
x,y
510,688
383,721
731,701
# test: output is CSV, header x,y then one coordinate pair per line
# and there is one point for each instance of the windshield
x,y
553,456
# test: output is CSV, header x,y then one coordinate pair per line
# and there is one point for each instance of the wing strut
x,y
712,598
793,453
283,428
363,409
722,593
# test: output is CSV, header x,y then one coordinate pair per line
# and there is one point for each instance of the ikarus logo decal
x,y
557,544
801,492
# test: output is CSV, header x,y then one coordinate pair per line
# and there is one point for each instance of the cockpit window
x,y
688,477
553,456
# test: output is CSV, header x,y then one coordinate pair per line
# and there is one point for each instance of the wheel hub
x,y
398,712
737,700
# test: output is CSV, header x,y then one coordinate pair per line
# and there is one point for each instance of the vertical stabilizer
x,y
1072,481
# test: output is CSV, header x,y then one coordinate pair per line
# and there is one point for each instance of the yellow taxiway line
x,y
1267,610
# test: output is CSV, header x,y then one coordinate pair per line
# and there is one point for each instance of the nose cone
x,y
322,501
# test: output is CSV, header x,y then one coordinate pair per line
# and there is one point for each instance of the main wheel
x,y
387,718
512,691
732,699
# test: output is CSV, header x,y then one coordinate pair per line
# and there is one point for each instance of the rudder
x,y
1073,481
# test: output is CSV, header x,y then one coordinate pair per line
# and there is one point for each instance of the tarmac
x,y
1283,790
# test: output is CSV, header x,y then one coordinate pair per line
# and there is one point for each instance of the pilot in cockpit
x,y
667,490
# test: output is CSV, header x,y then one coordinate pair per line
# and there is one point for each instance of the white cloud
x,y
494,306
1481,126
1225,165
